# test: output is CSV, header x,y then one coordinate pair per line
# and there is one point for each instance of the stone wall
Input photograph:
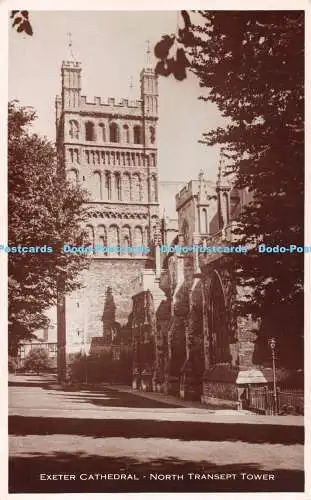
x,y
85,307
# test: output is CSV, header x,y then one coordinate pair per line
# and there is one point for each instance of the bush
x,y
37,360
77,369
12,364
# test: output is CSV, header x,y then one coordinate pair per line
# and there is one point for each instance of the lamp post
x,y
272,343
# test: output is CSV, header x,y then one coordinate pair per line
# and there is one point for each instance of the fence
x,y
288,401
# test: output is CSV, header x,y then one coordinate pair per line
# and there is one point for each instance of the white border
x,y
92,5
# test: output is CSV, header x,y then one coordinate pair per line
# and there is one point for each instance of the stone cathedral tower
x,y
109,148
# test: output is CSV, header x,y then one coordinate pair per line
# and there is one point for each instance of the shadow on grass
x,y
24,475
111,398
131,428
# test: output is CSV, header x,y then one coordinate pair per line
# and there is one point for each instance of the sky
x,y
111,46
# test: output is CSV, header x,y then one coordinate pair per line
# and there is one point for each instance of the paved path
x,y
111,430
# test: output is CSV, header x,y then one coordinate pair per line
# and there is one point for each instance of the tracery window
x,y
218,323
114,135
89,131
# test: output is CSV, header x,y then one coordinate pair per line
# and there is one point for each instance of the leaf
x,y
25,13
179,67
186,18
13,12
17,20
162,48
21,27
28,28
164,68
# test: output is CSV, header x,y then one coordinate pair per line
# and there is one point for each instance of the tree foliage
x,y
37,360
20,21
43,209
251,64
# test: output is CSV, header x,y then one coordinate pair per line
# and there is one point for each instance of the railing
x,y
288,401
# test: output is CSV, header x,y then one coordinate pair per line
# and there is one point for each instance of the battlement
x,y
193,188
71,65
110,102
189,190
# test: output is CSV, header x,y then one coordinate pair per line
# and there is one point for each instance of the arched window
x,y
107,186
126,134
102,237
117,186
114,133
151,135
126,240
138,238
185,232
89,131
219,351
74,129
153,188
136,187
114,239
204,221
137,135
226,208
102,132
126,187
97,186
72,176
90,235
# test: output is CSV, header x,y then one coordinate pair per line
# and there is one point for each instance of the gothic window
x,y
87,155
147,235
96,186
114,135
138,238
102,236
72,176
153,188
126,239
103,157
126,186
114,238
218,323
133,158
226,207
185,232
137,135
74,129
118,159
98,156
151,135
136,187
126,134
90,237
77,155
117,186
205,221
138,159
71,155
107,186
89,131
102,132
128,159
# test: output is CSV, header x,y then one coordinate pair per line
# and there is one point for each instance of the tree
x,y
252,66
37,360
44,210
20,21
